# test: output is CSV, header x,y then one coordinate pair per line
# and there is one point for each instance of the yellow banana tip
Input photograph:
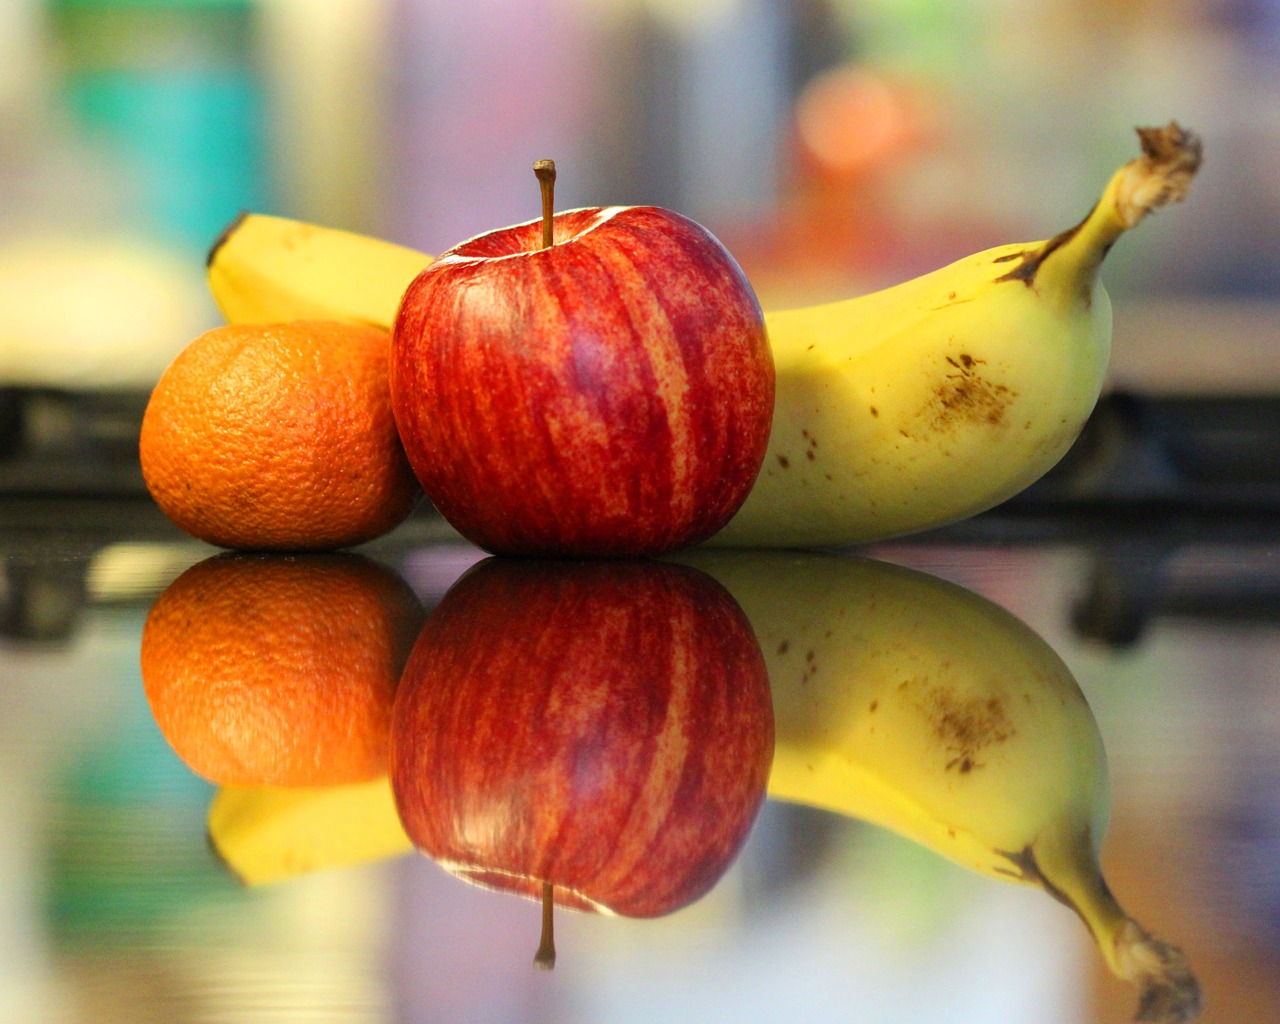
x,y
222,861
222,238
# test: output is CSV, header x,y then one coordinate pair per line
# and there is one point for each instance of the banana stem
x,y
1067,868
1170,158
1168,992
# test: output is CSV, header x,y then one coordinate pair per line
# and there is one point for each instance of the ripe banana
x,y
939,398
265,269
895,412
266,834
907,701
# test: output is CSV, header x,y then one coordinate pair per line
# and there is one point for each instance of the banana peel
x,y
909,702
269,834
267,269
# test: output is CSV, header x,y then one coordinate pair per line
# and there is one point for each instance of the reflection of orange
x,y
278,436
279,670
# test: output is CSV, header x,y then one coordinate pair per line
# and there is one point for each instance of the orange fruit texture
x,y
278,437
279,670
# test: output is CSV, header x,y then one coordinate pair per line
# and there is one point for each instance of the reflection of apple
x,y
597,732
609,394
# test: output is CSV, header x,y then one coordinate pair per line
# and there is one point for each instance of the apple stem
x,y
546,172
546,955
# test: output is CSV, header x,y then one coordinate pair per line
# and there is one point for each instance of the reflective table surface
x,y
928,684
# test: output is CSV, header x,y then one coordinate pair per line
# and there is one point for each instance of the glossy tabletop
x,y
115,905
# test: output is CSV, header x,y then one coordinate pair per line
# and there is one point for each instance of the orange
x,y
279,670
278,436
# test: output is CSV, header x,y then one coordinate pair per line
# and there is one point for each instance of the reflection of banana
x,y
897,411
270,834
909,702
267,269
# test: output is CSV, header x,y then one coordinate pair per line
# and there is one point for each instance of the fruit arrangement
x,y
601,384
571,401
892,697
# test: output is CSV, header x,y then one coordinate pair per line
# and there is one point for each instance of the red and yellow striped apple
x,y
596,732
607,394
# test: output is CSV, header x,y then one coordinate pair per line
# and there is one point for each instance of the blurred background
x,y
833,145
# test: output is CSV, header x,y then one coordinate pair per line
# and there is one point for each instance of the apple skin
x,y
604,726
610,395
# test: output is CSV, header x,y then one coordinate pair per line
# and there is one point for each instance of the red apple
x,y
609,394
597,732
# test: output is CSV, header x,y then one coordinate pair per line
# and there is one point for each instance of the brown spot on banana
x,y
967,397
965,725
